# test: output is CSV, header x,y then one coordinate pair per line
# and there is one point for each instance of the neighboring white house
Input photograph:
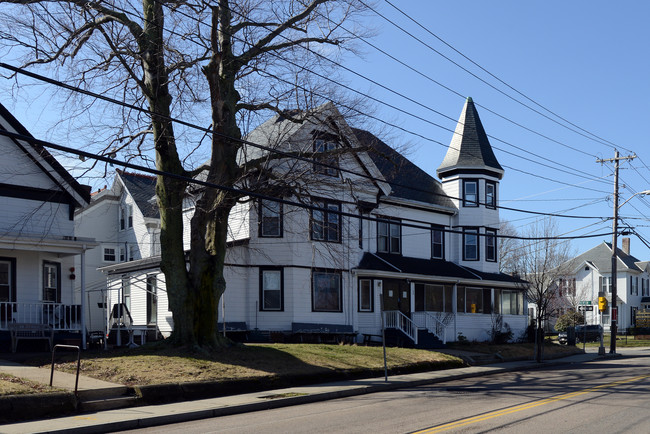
x,y
589,275
387,234
124,220
39,282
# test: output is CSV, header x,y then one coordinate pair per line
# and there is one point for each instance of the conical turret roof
x,y
470,149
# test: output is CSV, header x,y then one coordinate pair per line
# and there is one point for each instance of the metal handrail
x,y
69,347
396,319
440,327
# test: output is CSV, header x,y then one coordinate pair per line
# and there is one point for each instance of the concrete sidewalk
x,y
147,416
62,380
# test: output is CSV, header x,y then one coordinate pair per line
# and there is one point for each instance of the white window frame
x,y
106,253
389,233
490,197
468,234
366,295
470,199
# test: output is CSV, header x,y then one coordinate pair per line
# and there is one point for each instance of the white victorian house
x,y
382,235
39,282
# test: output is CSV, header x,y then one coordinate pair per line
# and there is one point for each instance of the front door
x,y
397,296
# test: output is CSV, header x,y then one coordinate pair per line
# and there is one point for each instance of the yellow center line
x,y
521,407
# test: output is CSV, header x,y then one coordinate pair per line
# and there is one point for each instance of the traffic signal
x,y
602,303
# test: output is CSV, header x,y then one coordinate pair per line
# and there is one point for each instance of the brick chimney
x,y
626,245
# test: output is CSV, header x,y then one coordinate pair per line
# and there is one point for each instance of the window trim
x,y
104,249
260,216
12,278
389,238
466,202
491,204
474,231
331,160
262,308
325,204
57,289
340,292
491,234
371,295
441,229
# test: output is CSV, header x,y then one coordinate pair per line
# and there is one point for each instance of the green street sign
x,y
585,303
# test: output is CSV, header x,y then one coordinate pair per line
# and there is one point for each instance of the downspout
x,y
83,297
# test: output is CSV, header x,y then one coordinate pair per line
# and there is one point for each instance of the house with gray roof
x,y
384,236
589,276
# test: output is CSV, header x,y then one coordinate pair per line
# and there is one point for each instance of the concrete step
x,y
107,404
103,393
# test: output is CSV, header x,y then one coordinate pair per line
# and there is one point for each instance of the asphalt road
x,y
605,396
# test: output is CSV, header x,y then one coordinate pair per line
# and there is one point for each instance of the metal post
x,y
83,303
383,333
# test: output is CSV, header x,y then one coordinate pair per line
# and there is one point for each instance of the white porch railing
x,y
428,321
59,316
394,319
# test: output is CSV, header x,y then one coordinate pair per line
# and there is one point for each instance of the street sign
x,y
585,303
585,308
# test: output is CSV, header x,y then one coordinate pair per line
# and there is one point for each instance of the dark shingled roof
x,y
401,173
428,267
143,189
601,258
470,147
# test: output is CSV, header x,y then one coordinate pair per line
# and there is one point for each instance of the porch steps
x,y
106,399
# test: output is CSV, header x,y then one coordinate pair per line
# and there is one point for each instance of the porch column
x,y
454,309
83,297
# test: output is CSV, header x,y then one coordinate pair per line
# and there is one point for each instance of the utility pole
x,y
614,308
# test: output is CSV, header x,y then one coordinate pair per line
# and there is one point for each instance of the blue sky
x,y
585,60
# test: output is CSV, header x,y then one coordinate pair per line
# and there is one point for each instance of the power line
x,y
256,145
479,78
242,192
603,141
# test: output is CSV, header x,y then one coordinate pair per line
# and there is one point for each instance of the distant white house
x,y
39,282
424,251
590,275
125,221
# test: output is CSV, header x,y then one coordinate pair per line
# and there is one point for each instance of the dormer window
x,y
470,192
325,162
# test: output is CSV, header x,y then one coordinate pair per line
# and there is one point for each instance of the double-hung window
x,y
470,192
126,216
109,254
438,242
491,245
606,285
490,194
325,160
470,244
365,295
326,291
270,218
389,237
326,222
271,289
634,285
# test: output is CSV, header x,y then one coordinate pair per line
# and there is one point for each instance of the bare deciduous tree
x,y
218,64
542,263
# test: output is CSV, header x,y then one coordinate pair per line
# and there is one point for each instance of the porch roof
x,y
61,245
430,268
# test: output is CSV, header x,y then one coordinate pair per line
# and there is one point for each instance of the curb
x,y
373,386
